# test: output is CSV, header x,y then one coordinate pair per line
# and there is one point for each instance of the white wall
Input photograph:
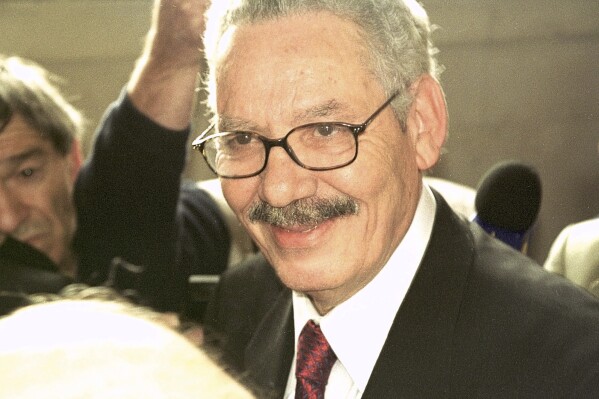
x,y
522,81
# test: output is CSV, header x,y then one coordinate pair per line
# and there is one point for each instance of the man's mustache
x,y
303,212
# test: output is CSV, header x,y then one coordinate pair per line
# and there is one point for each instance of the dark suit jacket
x,y
23,271
479,321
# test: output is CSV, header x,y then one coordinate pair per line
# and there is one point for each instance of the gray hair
x,y
31,91
396,33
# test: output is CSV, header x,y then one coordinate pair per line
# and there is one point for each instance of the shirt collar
x,y
368,315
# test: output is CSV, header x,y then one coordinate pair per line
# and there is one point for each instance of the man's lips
x,y
301,236
298,228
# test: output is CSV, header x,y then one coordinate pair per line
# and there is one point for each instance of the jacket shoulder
x,y
244,295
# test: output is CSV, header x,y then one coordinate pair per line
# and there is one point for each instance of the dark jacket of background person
x,y
24,270
130,205
479,321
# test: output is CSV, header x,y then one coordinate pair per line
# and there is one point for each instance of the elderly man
x,y
327,114
39,161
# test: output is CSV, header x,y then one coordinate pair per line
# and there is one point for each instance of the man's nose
x,y
284,181
12,211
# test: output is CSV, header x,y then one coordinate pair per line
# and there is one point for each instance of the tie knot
x,y
315,358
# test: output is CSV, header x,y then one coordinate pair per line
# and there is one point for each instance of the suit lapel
x,y
269,353
415,360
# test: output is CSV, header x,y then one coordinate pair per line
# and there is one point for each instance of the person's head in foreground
x,y
333,112
86,349
39,161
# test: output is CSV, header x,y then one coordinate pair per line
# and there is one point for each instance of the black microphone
x,y
507,202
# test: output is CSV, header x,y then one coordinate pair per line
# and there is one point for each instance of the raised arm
x,y
161,85
128,194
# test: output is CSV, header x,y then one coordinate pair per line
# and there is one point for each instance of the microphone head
x,y
509,196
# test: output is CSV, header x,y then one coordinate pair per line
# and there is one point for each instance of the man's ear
x,y
76,158
427,121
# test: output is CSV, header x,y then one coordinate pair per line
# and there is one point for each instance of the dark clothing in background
x,y
24,270
129,205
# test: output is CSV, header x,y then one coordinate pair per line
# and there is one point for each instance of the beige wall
x,y
521,79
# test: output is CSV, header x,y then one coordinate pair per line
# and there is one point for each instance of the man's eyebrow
x,y
21,157
232,124
331,109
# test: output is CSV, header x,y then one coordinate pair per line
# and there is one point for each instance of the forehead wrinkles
x,y
17,146
20,157
289,62
330,110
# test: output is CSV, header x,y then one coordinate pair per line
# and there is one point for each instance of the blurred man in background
x,y
40,159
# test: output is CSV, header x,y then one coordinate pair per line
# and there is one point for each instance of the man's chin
x,y
302,270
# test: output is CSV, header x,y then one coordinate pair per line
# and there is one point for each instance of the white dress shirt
x,y
357,328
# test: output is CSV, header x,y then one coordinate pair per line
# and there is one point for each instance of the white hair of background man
x,y
91,349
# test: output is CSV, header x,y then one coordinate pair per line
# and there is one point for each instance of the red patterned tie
x,y
315,359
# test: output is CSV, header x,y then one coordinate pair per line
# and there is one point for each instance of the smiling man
x,y
329,257
327,114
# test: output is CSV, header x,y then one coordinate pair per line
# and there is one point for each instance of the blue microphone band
x,y
514,239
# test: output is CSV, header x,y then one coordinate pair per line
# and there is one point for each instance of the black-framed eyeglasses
x,y
314,146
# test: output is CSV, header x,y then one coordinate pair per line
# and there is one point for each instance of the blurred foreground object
x,y
98,349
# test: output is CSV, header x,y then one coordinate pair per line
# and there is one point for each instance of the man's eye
x,y
326,130
243,138
27,172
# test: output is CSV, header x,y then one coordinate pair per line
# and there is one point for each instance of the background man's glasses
x,y
315,146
